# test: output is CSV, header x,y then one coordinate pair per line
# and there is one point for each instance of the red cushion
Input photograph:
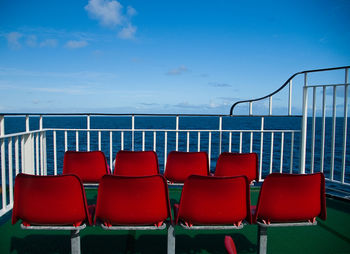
x,y
132,163
291,198
214,200
125,200
235,164
181,165
89,166
49,200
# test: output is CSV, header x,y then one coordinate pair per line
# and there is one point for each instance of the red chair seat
x,y
207,200
181,165
88,166
49,200
136,163
125,200
236,164
291,198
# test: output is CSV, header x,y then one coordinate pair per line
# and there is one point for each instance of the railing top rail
x,y
150,115
106,114
285,84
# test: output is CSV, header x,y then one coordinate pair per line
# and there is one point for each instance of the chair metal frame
x,y
74,234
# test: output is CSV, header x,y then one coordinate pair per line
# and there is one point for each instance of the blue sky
x,y
161,56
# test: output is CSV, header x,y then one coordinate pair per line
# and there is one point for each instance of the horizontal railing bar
x,y
105,114
336,181
170,130
328,85
149,115
23,133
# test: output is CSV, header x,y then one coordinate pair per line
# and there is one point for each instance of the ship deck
x,y
330,236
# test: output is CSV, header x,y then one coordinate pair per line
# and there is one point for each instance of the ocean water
x,y
289,161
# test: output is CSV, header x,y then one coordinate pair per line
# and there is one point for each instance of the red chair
x,y
88,166
214,201
132,163
289,200
235,164
133,203
51,203
181,165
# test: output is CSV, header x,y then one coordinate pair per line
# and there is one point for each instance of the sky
x,y
136,56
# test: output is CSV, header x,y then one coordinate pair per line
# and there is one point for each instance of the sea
x,y
279,153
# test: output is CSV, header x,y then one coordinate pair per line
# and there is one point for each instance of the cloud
x,y
13,40
149,104
66,90
76,44
329,91
219,84
178,71
131,11
108,13
111,14
31,41
49,43
127,32
80,75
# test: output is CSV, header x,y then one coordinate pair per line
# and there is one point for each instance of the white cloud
x,y
221,85
31,41
108,13
13,40
76,44
127,32
178,71
49,43
131,11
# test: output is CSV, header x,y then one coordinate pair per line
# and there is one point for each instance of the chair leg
x,y
262,239
171,239
75,241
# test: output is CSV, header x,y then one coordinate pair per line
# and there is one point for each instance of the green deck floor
x,y
330,236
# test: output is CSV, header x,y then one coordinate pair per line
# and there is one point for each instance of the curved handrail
x,y
284,85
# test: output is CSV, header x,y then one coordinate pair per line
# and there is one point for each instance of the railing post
x,y
290,98
132,132
27,123
42,147
88,132
303,128
28,151
3,187
220,130
345,125
261,147
2,125
177,134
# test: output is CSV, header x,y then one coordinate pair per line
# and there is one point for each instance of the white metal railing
x,y
318,143
41,151
323,143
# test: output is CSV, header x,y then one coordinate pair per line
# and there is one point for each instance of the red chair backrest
x,y
291,198
136,163
49,200
181,165
235,164
214,200
124,200
88,166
